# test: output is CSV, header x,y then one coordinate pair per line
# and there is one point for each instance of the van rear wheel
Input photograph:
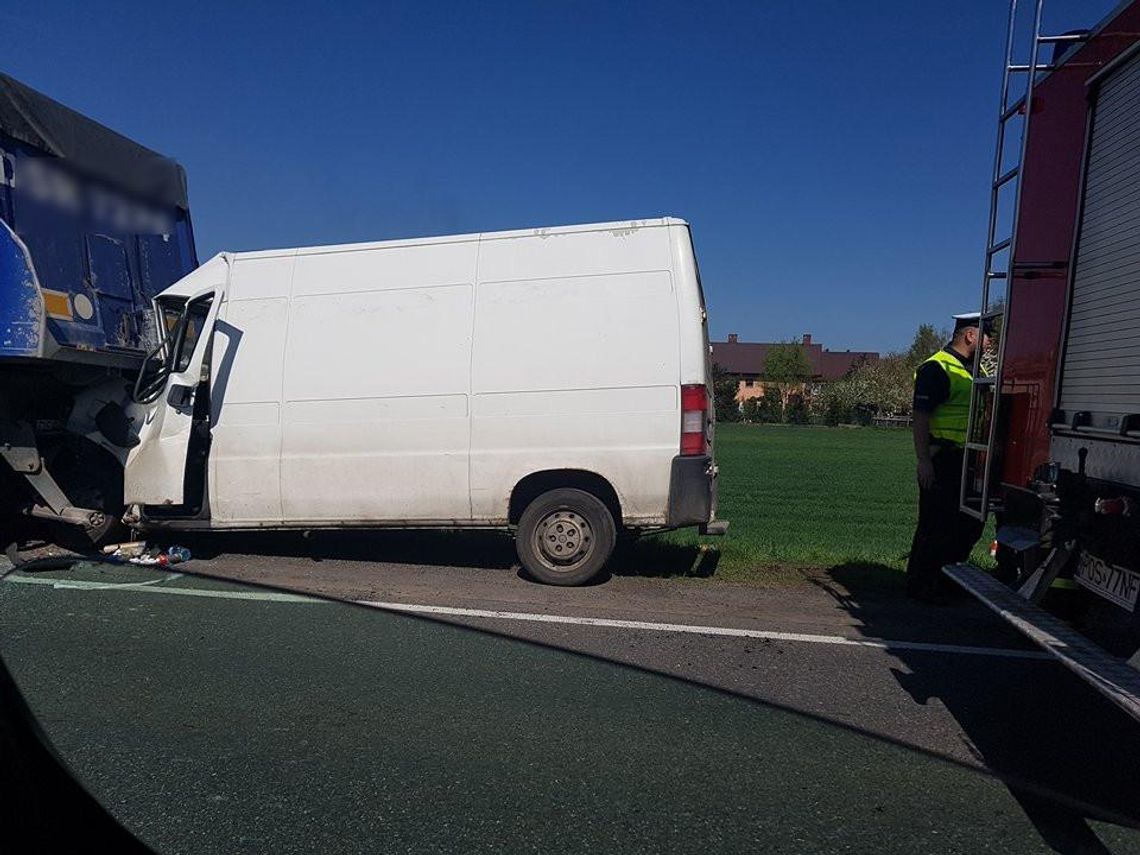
x,y
565,537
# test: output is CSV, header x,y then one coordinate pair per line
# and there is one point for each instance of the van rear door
x,y
696,361
693,481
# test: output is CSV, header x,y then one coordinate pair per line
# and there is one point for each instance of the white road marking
x,y
76,585
62,583
770,635
609,623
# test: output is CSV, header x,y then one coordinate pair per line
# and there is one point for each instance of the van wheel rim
x,y
563,538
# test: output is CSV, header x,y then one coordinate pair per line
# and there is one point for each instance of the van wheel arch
x,y
537,483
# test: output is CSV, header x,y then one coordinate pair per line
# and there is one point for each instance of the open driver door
x,y
173,388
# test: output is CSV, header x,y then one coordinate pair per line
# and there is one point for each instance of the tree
x,y
880,387
927,340
725,387
786,370
769,410
836,402
888,385
797,412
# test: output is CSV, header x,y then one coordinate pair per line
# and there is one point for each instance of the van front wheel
x,y
565,537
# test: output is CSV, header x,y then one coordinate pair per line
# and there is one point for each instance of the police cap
x,y
970,319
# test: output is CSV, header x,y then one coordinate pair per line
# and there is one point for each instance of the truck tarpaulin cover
x,y
35,119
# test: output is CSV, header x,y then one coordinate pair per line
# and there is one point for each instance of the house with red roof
x,y
745,361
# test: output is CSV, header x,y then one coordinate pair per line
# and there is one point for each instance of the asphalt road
x,y
213,718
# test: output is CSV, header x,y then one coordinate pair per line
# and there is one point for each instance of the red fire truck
x,y
1054,440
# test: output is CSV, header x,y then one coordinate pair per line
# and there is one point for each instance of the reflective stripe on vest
x,y
949,420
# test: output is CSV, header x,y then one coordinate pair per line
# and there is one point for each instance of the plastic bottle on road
x,y
178,554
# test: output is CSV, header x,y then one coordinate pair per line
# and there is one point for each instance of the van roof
x,y
548,231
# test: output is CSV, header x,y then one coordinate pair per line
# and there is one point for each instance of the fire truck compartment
x,y
1100,380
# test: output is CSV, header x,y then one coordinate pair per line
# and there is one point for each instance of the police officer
x,y
944,534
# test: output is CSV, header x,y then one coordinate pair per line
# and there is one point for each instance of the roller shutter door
x,y
1101,371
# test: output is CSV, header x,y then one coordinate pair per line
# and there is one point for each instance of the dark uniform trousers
x,y
944,535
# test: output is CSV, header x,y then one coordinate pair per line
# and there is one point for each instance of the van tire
x,y
565,537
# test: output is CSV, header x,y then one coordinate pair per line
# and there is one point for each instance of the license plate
x,y
1111,582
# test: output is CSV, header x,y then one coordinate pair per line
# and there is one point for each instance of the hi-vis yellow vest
x,y
949,420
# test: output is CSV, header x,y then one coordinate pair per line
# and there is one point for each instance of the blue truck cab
x,y
92,227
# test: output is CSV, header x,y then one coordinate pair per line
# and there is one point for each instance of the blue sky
x,y
832,157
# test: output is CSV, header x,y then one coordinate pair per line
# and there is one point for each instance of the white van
x,y
553,380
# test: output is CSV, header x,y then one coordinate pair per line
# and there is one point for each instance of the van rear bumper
x,y
692,491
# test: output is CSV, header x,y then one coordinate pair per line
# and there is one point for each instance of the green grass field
x,y
812,497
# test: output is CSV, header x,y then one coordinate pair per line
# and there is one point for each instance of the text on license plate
x,y
1111,582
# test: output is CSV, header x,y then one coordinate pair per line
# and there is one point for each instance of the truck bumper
x,y
692,491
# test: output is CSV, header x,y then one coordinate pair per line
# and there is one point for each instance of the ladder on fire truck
x,y
978,468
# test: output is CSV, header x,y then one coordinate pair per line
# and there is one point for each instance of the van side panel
x,y
245,392
576,366
376,389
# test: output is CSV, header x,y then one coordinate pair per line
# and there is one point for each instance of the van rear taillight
x,y
694,416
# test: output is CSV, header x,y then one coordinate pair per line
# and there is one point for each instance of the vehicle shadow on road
x,y
493,550
1056,766
477,549
652,558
